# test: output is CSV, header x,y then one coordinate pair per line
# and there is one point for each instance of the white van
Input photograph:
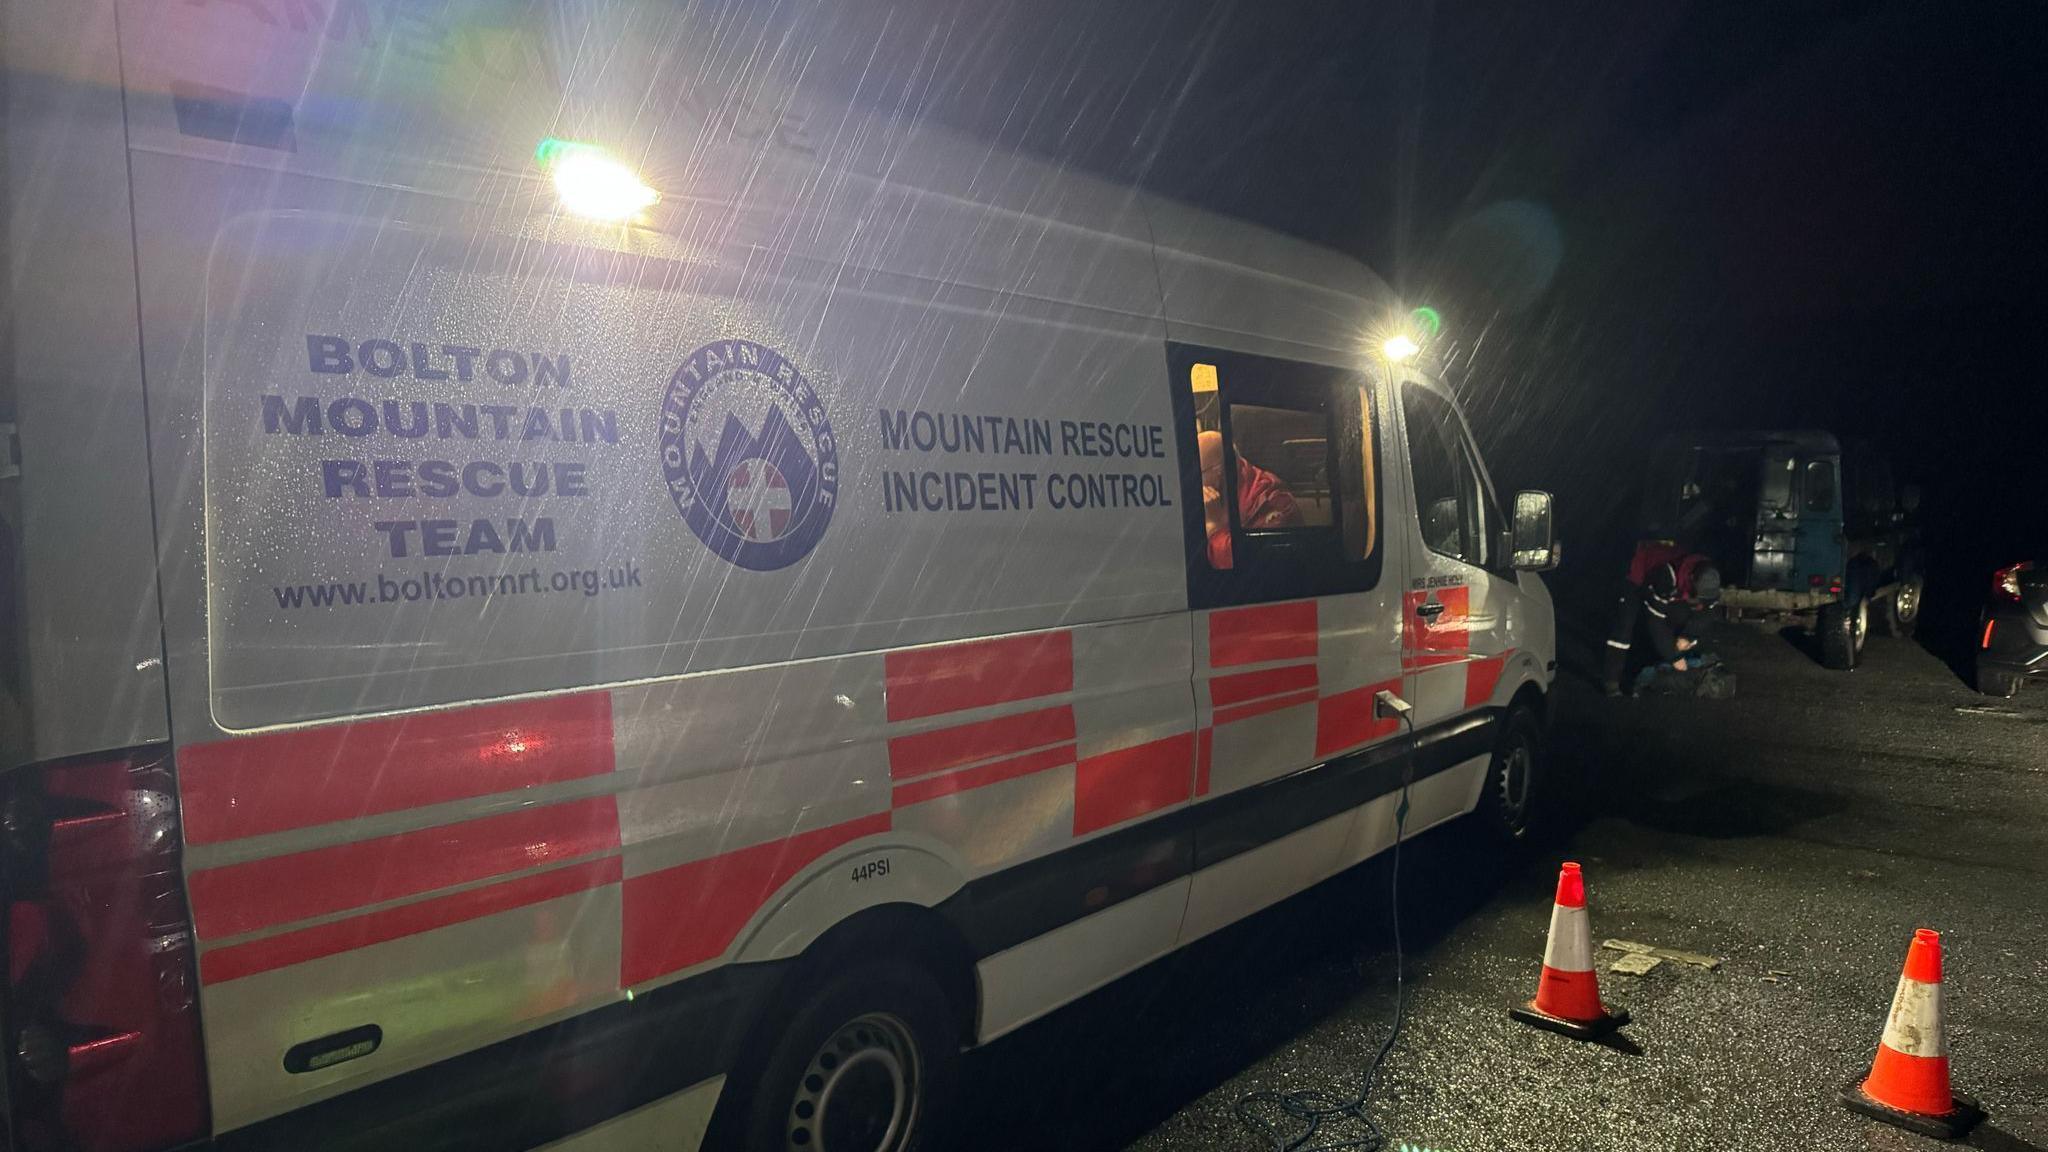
x,y
483,677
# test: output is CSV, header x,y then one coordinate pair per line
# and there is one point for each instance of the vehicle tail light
x,y
2005,583
102,1014
1988,625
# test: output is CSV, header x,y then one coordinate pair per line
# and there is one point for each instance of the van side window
x,y
1281,478
1278,474
1450,501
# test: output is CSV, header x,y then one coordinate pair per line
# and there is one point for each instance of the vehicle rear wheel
x,y
1902,607
1840,628
867,1064
1512,803
1998,682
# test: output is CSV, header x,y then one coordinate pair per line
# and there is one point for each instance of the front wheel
x,y
1512,802
1841,627
867,1064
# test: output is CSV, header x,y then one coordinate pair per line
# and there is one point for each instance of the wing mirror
x,y
1535,547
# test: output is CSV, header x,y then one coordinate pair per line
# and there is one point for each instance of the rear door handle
x,y
1430,609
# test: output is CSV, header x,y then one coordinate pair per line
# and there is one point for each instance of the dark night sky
x,y
1790,214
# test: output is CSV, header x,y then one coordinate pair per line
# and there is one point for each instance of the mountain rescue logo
x,y
749,458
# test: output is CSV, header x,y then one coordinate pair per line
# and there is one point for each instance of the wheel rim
x,y
1906,601
860,1092
1517,769
1859,623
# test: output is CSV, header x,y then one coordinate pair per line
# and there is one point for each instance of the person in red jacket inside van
x,y
1263,500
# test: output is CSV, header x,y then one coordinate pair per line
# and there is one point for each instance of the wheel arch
x,y
904,932
829,917
1532,697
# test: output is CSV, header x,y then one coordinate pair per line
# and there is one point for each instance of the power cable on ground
x,y
1311,1109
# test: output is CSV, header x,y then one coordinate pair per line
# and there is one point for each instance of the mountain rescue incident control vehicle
x,y
564,589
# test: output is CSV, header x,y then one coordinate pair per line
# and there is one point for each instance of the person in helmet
x,y
1660,612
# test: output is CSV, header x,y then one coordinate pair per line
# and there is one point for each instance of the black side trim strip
x,y
1021,903
1007,908
544,1085
1254,817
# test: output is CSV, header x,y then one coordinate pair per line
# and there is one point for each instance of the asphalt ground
x,y
1800,831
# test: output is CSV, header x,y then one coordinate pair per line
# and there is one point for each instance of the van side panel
x,y
510,794
503,538
94,641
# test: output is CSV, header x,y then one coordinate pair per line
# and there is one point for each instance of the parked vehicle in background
x,y
2013,644
676,632
1800,527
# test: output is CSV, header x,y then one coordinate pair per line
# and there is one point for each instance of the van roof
x,y
748,155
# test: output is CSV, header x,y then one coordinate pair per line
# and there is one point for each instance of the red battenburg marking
x,y
954,677
685,915
1449,631
1262,634
276,781
1241,686
967,779
235,961
1205,751
928,752
1130,782
1482,676
266,893
1261,707
1346,720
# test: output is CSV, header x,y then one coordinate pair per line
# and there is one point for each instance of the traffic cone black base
x,y
1908,1084
1568,993
1951,1125
1576,1029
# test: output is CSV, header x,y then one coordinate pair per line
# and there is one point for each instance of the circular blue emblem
x,y
749,458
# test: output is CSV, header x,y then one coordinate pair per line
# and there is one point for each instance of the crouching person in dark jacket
x,y
1661,615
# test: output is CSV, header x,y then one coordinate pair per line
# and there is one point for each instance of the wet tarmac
x,y
1799,831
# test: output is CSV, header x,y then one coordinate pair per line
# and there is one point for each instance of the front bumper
x,y
1775,599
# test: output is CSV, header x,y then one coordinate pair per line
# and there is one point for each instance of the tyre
x,y
1511,805
1902,607
1997,682
868,1063
1841,627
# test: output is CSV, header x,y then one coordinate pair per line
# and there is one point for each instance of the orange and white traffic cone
x,y
1568,995
1908,1082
